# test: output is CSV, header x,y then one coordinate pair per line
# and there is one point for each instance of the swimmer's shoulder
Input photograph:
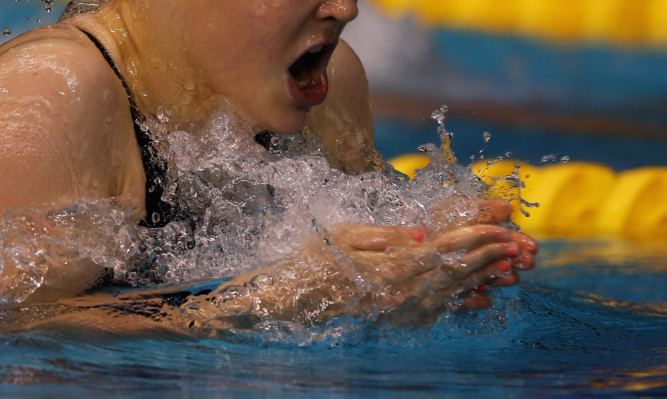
x,y
350,85
60,66
68,111
63,52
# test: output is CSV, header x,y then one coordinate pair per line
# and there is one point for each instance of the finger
x,y
493,211
476,301
495,255
397,265
525,261
475,280
377,238
527,243
476,270
506,280
469,238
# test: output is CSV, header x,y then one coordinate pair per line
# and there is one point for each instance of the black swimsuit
x,y
158,212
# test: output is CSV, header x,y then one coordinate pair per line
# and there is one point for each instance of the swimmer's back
x,y
65,126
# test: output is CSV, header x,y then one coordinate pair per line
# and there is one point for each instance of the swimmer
x,y
75,96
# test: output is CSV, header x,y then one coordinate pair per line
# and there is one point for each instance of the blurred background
x,y
586,79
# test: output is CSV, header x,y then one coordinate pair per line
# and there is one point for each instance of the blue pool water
x,y
591,321
526,143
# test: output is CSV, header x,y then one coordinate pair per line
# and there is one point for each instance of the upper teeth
x,y
315,50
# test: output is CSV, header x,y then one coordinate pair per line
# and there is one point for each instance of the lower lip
x,y
311,95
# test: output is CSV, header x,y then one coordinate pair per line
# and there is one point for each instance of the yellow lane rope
x,y
577,199
625,22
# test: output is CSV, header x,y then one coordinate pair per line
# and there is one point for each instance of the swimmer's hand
x,y
494,212
433,268
403,273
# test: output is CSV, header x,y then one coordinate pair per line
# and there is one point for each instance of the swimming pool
x,y
589,322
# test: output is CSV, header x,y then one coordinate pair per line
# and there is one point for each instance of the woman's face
x,y
268,58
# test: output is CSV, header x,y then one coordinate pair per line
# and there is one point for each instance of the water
x,y
590,321
547,338
240,208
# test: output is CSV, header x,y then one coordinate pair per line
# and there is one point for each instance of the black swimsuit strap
x,y
158,212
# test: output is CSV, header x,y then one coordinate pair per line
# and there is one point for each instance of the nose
x,y
343,11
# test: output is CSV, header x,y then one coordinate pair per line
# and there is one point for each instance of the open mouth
x,y
309,82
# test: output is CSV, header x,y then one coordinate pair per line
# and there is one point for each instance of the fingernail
x,y
504,267
512,252
419,234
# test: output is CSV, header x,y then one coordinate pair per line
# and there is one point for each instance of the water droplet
x,y
548,158
162,114
143,125
487,137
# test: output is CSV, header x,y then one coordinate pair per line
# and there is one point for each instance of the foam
x,y
241,207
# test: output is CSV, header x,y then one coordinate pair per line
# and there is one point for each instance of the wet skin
x,y
77,139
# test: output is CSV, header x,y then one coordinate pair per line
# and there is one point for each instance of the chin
x,y
284,123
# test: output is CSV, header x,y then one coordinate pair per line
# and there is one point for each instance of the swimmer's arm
x,y
61,138
345,119
410,283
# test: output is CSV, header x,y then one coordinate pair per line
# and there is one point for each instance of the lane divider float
x,y
640,22
576,199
